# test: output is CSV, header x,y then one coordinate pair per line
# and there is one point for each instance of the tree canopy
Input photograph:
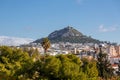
x,y
28,64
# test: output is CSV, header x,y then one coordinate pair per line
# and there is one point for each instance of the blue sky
x,y
37,18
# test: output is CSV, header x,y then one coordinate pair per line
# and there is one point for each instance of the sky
x,y
35,19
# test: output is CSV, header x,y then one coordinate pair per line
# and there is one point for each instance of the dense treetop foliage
x,y
28,64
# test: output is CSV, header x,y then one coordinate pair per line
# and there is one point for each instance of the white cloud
x,y
109,29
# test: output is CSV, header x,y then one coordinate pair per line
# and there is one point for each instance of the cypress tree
x,y
103,64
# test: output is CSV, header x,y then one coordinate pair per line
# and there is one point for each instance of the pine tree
x,y
104,66
90,69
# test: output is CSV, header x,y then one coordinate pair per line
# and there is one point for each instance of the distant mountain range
x,y
13,41
69,34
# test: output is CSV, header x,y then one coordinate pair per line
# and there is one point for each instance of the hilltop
x,y
69,34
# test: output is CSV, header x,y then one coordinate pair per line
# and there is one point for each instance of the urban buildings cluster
x,y
89,50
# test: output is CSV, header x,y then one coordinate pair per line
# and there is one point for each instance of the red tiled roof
x,y
114,65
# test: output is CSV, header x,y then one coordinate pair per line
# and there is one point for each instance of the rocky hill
x,y
69,34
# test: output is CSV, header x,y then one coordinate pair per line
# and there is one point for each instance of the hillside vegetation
x,y
69,34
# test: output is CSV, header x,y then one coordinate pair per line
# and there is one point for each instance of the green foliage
x,y
104,67
12,60
19,64
74,59
90,69
73,39
70,67
51,67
